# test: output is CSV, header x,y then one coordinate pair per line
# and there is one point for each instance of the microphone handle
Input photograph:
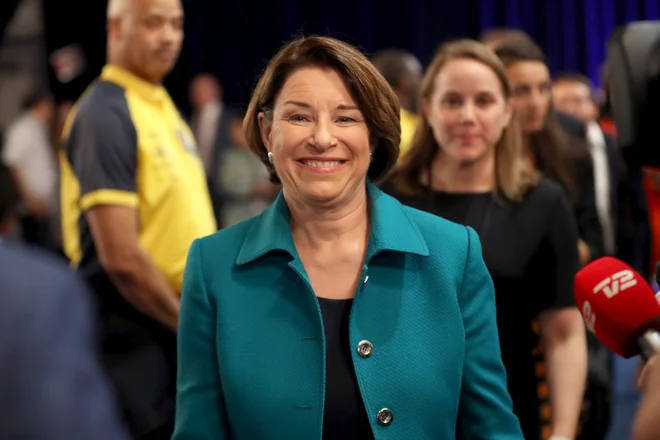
x,y
649,344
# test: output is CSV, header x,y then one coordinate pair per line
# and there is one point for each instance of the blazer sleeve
x,y
200,406
486,409
54,386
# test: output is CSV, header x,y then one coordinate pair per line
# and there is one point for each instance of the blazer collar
x,y
391,230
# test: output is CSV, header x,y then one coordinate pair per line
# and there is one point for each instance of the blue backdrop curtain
x,y
234,39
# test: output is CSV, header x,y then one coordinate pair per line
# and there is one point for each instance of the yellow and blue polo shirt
x,y
126,144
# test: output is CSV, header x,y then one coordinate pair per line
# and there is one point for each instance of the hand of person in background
x,y
647,422
644,368
645,373
584,253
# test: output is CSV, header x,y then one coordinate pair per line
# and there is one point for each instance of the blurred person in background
x,y
211,124
51,382
134,197
29,154
244,182
551,150
265,333
466,166
564,158
573,94
211,119
403,71
497,37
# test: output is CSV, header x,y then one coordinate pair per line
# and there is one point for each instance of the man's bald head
x,y
145,36
403,71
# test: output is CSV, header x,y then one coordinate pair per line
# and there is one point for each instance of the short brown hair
x,y
516,51
375,98
575,78
513,177
494,37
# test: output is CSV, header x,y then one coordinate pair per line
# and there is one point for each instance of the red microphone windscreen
x,y
616,303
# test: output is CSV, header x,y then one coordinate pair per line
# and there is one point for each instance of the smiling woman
x,y
316,136
338,70
338,313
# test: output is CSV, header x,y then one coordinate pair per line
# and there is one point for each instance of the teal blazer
x,y
252,346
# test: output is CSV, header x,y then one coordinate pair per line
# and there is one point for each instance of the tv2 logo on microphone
x,y
617,283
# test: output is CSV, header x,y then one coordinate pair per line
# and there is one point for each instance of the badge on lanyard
x,y
187,140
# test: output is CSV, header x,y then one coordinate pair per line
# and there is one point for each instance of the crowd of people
x,y
370,249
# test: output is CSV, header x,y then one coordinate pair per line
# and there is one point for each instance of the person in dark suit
x,y
51,383
573,94
211,124
337,313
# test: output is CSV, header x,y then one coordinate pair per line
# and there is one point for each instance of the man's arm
x,y
54,385
114,229
102,149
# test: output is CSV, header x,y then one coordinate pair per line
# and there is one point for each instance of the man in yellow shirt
x,y
403,72
134,197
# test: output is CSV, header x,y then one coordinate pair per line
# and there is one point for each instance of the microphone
x,y
619,307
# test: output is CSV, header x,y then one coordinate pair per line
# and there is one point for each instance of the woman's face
x,y
531,93
318,137
467,110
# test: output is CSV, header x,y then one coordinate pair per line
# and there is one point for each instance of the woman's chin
x,y
470,156
321,192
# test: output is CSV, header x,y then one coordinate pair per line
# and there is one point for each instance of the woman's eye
x,y
484,102
297,118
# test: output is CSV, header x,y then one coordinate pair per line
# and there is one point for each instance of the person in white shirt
x,y
29,154
573,94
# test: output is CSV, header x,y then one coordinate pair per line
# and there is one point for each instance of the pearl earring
x,y
270,157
